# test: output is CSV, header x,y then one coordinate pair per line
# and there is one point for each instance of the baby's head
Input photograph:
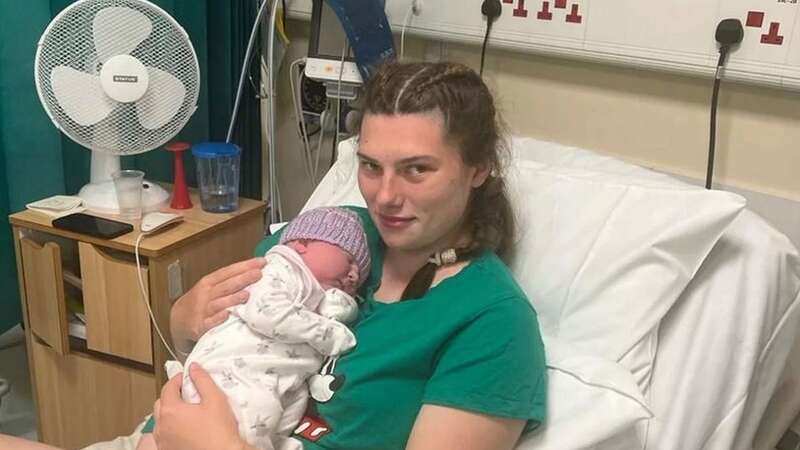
x,y
333,245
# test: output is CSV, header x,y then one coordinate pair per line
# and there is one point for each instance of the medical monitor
x,y
325,48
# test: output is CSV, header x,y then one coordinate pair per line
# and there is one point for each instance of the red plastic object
x,y
520,10
755,19
180,193
773,37
574,17
545,13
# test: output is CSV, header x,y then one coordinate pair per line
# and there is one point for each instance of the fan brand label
x,y
126,79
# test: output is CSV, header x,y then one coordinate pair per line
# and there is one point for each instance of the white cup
x,y
128,184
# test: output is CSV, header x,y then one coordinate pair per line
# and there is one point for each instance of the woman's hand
x,y
208,425
205,305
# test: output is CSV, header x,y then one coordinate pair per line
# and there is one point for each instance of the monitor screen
x,y
328,38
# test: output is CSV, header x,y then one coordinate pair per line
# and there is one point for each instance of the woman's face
x,y
416,185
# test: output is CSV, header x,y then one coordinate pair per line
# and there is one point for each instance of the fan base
x,y
102,198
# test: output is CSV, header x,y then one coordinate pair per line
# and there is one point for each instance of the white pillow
x,y
639,360
607,167
340,185
589,400
603,261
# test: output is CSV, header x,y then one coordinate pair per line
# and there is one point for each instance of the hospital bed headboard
x,y
671,35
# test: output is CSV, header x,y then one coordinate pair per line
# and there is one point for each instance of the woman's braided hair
x,y
471,124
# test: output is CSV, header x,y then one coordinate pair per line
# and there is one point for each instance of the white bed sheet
x,y
723,346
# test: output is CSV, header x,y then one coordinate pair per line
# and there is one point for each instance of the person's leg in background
x,y
14,443
120,443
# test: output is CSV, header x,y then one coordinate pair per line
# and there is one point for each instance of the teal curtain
x,y
30,147
37,161
227,45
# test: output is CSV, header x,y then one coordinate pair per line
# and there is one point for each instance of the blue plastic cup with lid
x,y
218,175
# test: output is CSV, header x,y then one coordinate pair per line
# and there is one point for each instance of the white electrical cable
x,y
276,185
304,128
144,296
297,109
245,65
276,211
322,120
300,114
406,23
345,50
274,194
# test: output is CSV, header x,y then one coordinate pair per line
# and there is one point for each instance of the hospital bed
x,y
668,312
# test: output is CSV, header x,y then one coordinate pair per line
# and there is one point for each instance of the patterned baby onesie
x,y
263,354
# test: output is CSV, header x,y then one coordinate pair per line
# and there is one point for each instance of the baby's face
x,y
331,266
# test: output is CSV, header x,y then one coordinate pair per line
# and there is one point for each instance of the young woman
x,y
449,354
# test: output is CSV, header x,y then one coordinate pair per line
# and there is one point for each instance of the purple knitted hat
x,y
337,226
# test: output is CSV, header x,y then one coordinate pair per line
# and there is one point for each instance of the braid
x,y
491,217
405,87
448,74
444,87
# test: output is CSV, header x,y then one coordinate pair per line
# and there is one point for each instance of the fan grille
x,y
69,42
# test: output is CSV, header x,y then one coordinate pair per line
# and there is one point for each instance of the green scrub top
x,y
471,343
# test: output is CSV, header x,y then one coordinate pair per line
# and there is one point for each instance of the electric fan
x,y
119,77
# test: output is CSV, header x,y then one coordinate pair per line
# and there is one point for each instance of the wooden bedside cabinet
x,y
97,387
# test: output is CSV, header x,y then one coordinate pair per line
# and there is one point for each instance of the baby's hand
x,y
338,305
342,339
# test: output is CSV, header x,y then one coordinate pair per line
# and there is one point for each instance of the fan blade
x,y
80,95
118,31
162,100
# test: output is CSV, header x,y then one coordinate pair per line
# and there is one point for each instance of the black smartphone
x,y
92,225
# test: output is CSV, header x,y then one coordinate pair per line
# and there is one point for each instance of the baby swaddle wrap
x,y
262,355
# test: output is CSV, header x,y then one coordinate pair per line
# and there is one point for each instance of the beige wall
x,y
655,119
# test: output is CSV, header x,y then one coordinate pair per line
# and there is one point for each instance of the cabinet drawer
x,y
82,400
44,289
117,321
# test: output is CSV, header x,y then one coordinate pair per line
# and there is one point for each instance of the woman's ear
x,y
482,172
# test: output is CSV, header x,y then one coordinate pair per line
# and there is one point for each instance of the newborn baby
x,y
263,354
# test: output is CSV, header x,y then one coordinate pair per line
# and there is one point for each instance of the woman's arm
x,y
443,428
15,443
